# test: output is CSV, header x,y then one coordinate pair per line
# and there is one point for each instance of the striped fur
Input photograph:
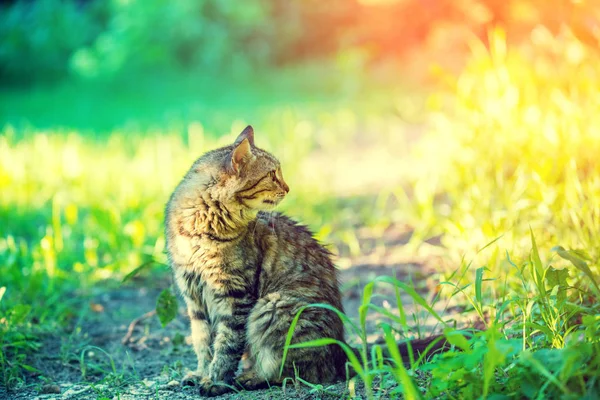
x,y
244,272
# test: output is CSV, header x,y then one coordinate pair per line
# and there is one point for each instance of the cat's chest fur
x,y
214,273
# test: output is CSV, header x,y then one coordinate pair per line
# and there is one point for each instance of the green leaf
x,y
526,357
409,389
400,307
457,339
493,358
385,312
166,307
575,258
412,293
558,278
478,283
19,313
362,310
329,341
592,326
30,368
138,269
178,339
538,267
542,328
288,339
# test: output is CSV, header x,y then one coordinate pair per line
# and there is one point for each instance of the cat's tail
x,y
409,350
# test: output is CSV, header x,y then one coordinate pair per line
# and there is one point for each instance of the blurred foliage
x,y
207,34
77,207
46,39
38,38
145,104
42,39
78,213
514,146
510,145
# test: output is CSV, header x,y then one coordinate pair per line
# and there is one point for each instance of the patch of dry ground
x,y
92,362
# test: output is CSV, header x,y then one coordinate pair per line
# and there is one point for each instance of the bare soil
x,y
92,363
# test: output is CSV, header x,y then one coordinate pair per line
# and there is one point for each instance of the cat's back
x,y
294,260
292,240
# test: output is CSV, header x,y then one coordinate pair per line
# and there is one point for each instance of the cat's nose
x,y
285,187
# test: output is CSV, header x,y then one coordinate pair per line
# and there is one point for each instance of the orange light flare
x,y
390,28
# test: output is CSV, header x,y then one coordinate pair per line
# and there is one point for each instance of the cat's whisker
x,y
271,225
254,230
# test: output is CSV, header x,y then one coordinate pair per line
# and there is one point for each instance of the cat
x,y
244,272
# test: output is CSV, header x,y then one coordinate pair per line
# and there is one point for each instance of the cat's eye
x,y
273,175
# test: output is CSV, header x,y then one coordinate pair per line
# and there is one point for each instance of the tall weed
x,y
513,145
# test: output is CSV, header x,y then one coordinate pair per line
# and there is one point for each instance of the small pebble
x,y
50,389
173,384
148,382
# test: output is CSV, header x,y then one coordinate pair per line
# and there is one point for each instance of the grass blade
x,y
329,341
408,387
413,293
288,338
537,264
478,282
578,263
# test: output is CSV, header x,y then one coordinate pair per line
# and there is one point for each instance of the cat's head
x,y
255,175
246,176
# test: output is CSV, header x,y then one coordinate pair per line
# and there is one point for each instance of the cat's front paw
x,y
192,378
251,381
209,388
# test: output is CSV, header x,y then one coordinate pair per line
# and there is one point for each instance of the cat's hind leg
x,y
267,329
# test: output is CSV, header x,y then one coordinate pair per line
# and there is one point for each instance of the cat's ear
x,y
242,153
247,133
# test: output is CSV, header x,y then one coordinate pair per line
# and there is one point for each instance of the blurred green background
x,y
458,120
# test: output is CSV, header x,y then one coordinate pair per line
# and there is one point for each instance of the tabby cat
x,y
245,271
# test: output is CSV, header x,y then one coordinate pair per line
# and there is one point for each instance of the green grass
x,y
541,342
83,192
505,172
509,154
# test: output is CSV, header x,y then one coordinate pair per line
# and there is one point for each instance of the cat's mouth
x,y
273,200
271,203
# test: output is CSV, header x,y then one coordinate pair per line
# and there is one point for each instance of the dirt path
x,y
92,362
